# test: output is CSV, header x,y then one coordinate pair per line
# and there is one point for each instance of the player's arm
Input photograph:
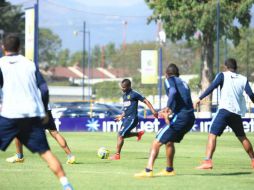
x,y
43,87
249,92
155,113
218,81
1,79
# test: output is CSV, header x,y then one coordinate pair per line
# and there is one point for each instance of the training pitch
x,y
231,165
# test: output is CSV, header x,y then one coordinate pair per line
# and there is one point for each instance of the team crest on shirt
x,y
129,97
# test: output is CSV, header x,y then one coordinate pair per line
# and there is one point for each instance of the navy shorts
x,y
51,123
28,130
128,124
224,118
180,124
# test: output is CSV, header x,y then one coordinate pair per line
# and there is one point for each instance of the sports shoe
x,y
71,160
144,174
140,134
68,187
206,165
115,157
15,159
165,173
252,163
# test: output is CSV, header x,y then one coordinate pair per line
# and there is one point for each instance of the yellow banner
x,y
149,66
29,33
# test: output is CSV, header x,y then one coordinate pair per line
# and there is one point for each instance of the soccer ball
x,y
103,153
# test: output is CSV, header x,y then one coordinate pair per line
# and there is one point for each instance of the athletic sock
x,y
64,181
69,156
20,155
169,169
206,158
148,170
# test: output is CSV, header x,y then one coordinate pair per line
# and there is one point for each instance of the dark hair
x,y
172,69
127,82
231,64
11,43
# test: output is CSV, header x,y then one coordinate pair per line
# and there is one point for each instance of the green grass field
x,y
231,165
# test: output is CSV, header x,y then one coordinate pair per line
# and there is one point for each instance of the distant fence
x,y
149,125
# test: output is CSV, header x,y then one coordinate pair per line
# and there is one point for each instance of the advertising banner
x,y
149,125
29,33
149,66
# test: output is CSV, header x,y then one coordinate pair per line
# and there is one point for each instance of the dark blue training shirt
x,y
130,103
179,96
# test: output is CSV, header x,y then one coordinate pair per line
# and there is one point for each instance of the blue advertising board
x,y
149,125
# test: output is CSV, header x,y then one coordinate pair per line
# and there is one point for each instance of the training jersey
x,y
23,87
232,86
179,96
130,103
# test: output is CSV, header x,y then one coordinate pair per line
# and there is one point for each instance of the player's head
x,y
125,85
172,70
11,43
231,64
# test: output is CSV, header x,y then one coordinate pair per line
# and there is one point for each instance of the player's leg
x,y
218,125
148,172
19,157
56,168
247,146
62,142
237,126
32,135
125,132
51,127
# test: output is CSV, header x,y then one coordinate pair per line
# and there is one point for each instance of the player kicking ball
x,y
129,116
51,127
180,105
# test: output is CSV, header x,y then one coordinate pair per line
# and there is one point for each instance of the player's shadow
x,y
226,174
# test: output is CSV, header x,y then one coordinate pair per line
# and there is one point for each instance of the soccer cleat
x,y
15,159
206,165
71,160
68,187
140,134
166,173
144,174
252,163
115,157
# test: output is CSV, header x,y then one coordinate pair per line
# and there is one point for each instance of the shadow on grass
x,y
223,174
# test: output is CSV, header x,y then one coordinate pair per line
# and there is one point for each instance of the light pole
x,y
84,59
218,43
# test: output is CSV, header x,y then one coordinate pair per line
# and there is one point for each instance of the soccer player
x,y
25,99
129,116
180,105
51,127
232,105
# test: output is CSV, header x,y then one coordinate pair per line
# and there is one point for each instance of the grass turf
x,y
231,165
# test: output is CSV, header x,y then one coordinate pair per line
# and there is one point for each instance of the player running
x,y
129,116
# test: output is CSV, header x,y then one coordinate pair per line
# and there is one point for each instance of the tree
x,y
182,19
12,19
49,46
63,57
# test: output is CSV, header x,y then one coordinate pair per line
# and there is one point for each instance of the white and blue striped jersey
x,y
23,88
232,86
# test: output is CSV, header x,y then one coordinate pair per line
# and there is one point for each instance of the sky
x,y
106,20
